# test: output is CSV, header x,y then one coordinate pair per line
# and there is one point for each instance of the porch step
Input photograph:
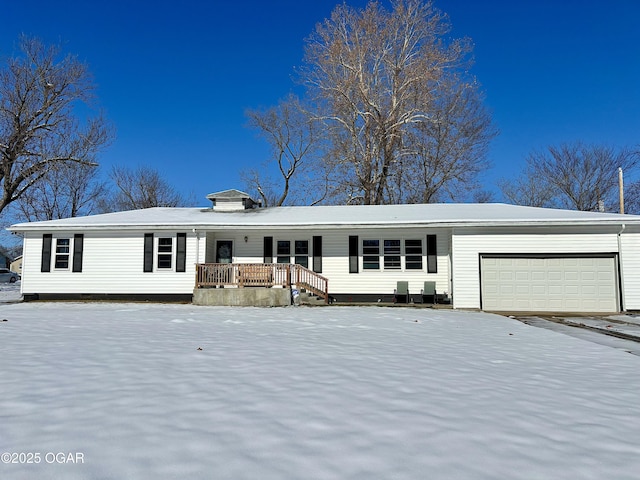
x,y
307,298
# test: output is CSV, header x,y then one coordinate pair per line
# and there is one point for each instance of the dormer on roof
x,y
232,201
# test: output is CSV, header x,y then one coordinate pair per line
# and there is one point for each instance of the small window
x,y
302,252
413,254
392,254
62,253
371,254
283,251
165,252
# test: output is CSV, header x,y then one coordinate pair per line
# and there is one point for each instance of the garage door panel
x,y
604,290
586,284
539,290
538,276
506,290
506,275
571,289
604,276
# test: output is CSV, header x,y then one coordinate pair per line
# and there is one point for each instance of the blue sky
x,y
175,77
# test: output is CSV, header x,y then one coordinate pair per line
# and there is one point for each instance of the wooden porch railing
x,y
309,280
261,275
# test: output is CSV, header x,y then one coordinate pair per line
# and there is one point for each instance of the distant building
x,y
16,265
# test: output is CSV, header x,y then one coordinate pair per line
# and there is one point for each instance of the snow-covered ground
x,y
10,292
150,391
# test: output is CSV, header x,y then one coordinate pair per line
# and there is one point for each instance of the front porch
x,y
271,284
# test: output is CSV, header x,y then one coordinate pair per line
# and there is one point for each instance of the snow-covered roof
x,y
228,194
443,214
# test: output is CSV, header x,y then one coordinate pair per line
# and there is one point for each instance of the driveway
x,y
620,331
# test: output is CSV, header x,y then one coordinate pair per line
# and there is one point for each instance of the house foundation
x,y
242,297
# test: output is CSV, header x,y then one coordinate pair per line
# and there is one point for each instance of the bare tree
x,y
293,136
141,187
632,198
483,196
67,190
394,97
445,155
39,127
574,176
528,189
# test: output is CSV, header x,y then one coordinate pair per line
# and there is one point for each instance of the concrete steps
x,y
306,298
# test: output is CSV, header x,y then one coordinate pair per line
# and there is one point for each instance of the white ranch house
x,y
494,257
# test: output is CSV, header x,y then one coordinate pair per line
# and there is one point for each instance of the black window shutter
x,y
78,246
268,250
181,253
432,254
45,265
353,254
317,254
148,252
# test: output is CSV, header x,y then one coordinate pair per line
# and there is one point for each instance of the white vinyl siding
x,y
113,261
468,244
112,264
383,281
630,267
335,257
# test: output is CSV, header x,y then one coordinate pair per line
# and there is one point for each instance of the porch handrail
x,y
242,274
310,280
261,275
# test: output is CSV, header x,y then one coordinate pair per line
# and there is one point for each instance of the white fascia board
x,y
25,227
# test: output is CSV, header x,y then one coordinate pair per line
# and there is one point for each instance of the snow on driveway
x,y
149,391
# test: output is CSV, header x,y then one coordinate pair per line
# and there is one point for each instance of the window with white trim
x,y
371,254
413,254
62,253
283,251
302,252
165,253
392,255
397,254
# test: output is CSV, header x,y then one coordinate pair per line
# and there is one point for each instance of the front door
x,y
224,251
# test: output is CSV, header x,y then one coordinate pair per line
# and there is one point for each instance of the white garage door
x,y
563,284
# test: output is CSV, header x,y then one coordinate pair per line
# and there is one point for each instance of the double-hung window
x,y
392,255
413,254
302,252
62,253
283,251
371,254
165,252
